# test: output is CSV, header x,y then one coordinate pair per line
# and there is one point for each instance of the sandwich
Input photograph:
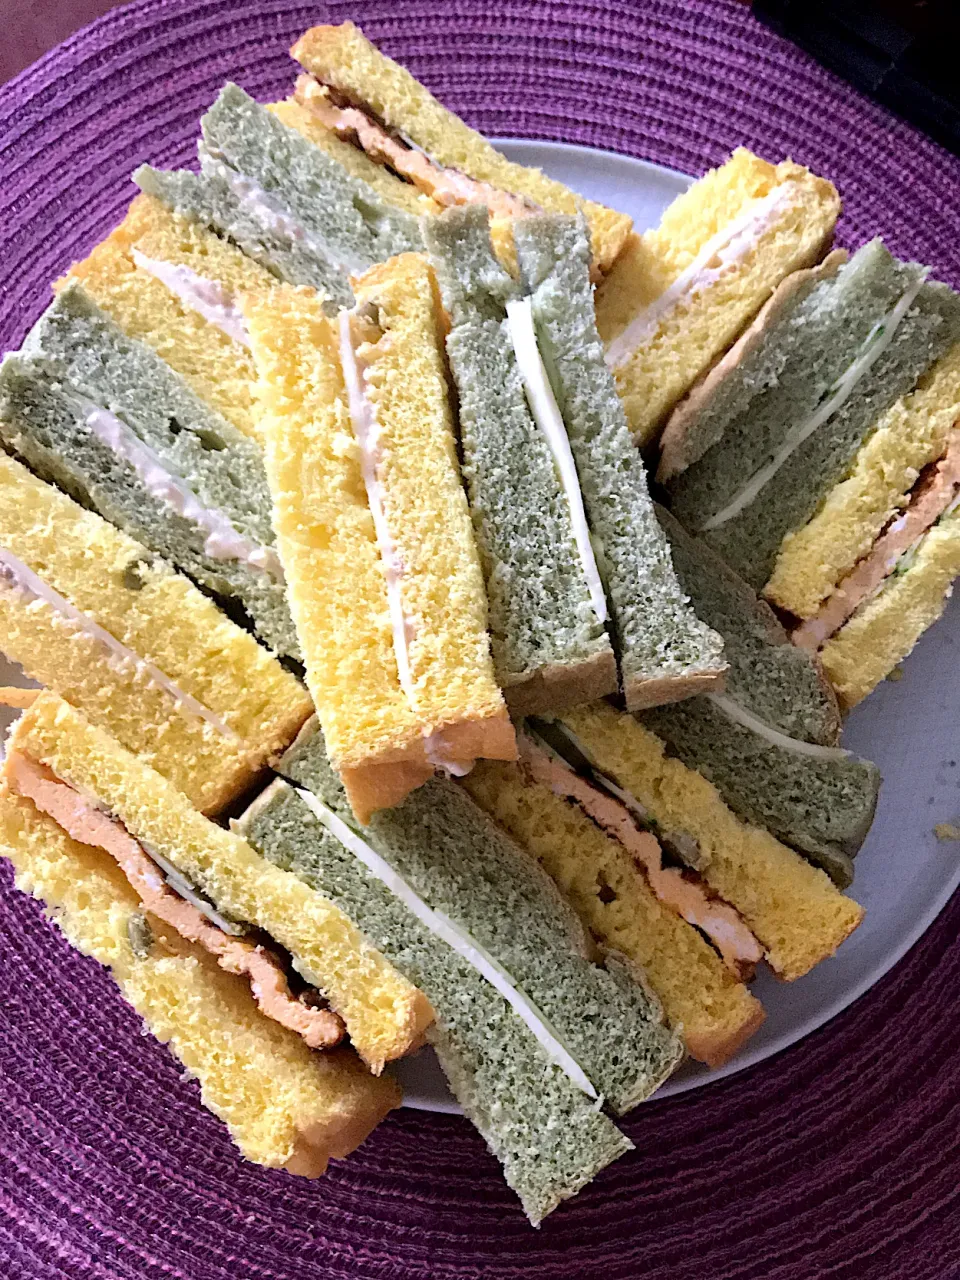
x,y
664,651
94,615
372,524
769,742
173,284
506,965
557,491
183,911
804,454
103,416
793,910
284,201
363,97
680,294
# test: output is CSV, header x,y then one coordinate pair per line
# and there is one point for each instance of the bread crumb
x,y
947,831
895,675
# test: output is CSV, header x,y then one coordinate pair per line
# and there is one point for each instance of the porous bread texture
x,y
712,1012
550,1137
699,420
164,620
328,545
665,652
690,336
344,58
217,368
207,200
549,648
456,697
787,378
801,362
911,434
780,683
75,354
385,1016
824,808
794,910
449,851
883,632
394,190
285,1106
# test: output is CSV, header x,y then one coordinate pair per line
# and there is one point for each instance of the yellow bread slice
x,y
714,1013
218,368
164,620
677,342
912,433
884,631
792,907
343,58
403,195
375,733
286,1107
385,1015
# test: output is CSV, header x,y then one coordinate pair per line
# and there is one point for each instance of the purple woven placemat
x,y
841,1157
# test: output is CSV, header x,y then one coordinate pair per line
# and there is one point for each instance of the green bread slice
x,y
76,361
461,863
282,200
773,679
665,651
549,1136
550,648
784,376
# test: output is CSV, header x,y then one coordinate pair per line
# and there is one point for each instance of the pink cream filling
x,y
932,495
83,821
678,890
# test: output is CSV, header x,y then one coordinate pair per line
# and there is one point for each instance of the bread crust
x,y
558,685
677,450
639,695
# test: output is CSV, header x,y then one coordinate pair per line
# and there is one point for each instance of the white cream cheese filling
x,y
208,298
776,739
873,347
266,210
546,414
22,579
222,541
718,257
461,942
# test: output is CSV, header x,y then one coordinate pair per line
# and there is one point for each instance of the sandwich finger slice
x,y
546,596
680,294
107,419
286,1107
95,616
76,773
374,531
361,95
665,652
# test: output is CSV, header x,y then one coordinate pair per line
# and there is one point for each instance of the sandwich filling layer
x,y
736,711
719,257
32,589
546,413
193,918
223,541
682,890
211,299
873,347
269,214
934,496
466,947
355,123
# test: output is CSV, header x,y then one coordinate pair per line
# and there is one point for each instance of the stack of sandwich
x,y
381,703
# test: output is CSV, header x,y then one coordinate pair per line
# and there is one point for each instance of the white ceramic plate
x,y
904,874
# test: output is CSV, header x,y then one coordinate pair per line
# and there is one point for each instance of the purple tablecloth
x,y
841,1157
